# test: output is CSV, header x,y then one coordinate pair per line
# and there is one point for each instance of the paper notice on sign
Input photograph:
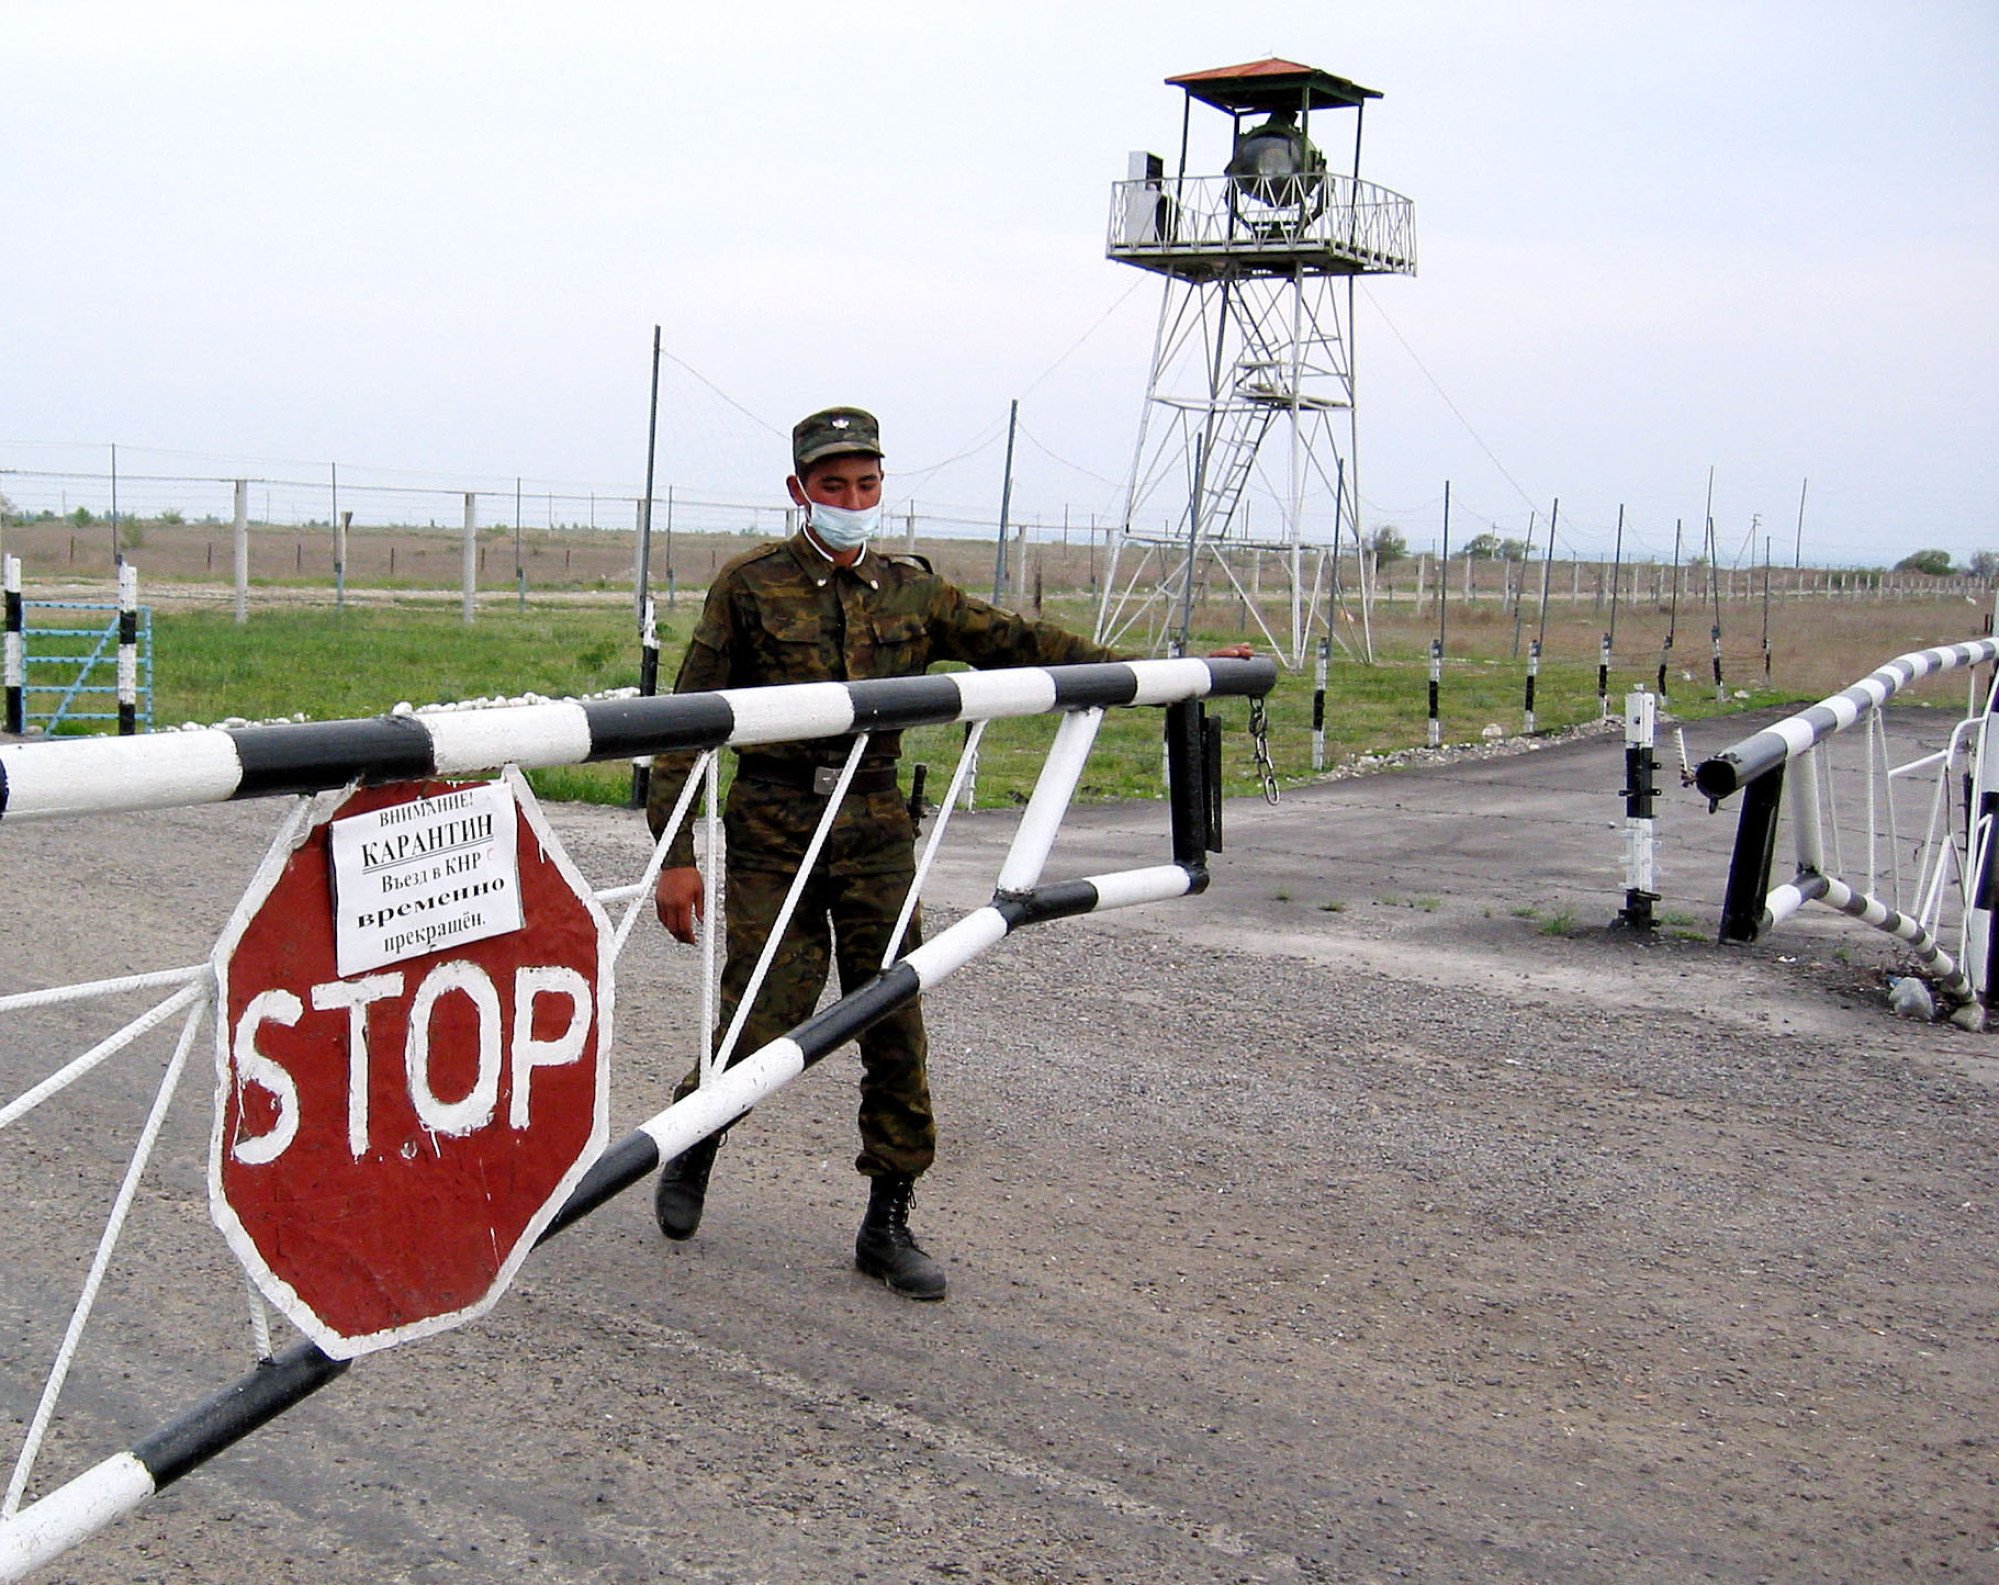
x,y
421,876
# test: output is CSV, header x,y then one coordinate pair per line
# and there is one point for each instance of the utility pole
x,y
1006,504
642,583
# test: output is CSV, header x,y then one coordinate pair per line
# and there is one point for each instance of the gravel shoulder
x,y
1342,1224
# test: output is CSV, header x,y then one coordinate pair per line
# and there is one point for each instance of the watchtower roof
x,y
1269,85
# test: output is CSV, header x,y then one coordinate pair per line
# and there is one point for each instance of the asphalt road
x,y
1380,1214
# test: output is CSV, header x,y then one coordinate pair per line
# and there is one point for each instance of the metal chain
x,y
1259,736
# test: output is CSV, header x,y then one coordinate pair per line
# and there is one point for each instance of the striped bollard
x,y
1603,679
1436,685
1319,704
1720,690
128,649
1533,671
1640,788
16,658
648,686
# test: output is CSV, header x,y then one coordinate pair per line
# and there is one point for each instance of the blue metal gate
x,y
69,665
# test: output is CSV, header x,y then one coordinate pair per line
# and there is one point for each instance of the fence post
x,y
16,654
1436,684
1640,766
128,649
469,577
242,548
1319,705
340,526
1749,866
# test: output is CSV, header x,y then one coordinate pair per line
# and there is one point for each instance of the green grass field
x,y
327,664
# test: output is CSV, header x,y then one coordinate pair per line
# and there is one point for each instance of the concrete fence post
x,y
469,576
242,548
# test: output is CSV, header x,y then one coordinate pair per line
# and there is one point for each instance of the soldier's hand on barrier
x,y
1233,652
677,898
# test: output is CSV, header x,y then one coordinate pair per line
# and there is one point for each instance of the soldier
x,y
823,606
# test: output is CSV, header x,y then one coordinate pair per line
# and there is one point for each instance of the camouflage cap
x,y
834,432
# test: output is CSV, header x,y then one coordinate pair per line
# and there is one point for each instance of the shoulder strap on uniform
x,y
748,558
909,558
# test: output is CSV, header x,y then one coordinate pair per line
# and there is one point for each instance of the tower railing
x,y
1326,222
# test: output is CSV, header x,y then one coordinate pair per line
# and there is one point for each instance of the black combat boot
x,y
887,1249
683,1186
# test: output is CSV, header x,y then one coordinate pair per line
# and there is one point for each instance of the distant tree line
x,y
1389,546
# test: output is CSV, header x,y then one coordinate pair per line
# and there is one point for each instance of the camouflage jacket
x,y
784,613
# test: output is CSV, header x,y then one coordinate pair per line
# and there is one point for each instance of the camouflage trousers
x,y
846,915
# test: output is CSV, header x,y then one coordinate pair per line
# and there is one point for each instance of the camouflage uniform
x,y
785,613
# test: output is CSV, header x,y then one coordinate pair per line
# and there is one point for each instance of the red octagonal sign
x,y
390,1141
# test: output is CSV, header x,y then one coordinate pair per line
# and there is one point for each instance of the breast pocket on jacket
x,y
789,647
902,643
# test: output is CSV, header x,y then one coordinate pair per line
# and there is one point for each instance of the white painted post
x,y
128,648
1640,878
469,577
1319,704
242,550
15,666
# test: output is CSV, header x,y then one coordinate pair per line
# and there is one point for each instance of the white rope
x,y
113,1226
63,1078
798,882
967,758
87,989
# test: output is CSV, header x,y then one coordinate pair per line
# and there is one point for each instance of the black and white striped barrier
x,y
1603,679
1787,899
76,776
1756,767
122,1483
1737,766
16,658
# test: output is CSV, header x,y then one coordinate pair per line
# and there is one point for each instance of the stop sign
x,y
388,1144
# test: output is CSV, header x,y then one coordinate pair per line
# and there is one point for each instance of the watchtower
x,y
1247,440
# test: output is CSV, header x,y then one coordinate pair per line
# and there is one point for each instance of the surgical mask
x,y
839,528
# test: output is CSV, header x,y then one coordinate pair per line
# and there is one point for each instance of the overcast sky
x,y
429,242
